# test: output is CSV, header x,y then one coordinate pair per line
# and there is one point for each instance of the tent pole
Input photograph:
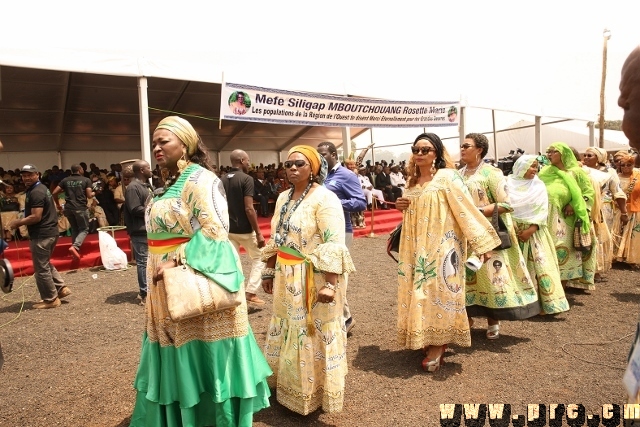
x,y
461,125
145,139
536,146
592,134
495,136
346,142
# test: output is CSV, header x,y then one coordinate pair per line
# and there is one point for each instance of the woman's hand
x,y
525,235
160,270
326,295
267,285
402,203
568,210
624,219
485,257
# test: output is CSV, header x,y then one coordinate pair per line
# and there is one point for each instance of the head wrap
x,y
573,178
600,154
318,163
529,199
183,130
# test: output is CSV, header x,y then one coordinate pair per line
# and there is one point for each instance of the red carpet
x,y
20,255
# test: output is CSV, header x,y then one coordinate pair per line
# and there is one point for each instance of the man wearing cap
x,y
367,188
346,186
77,189
41,219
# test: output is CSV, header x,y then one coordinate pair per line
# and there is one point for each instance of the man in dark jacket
x,y
135,199
383,182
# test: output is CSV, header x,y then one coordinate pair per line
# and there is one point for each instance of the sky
x,y
541,57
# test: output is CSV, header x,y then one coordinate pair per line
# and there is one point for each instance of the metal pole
x,y
373,199
606,34
145,137
495,136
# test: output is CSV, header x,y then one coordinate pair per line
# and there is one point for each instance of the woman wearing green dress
x,y
530,204
505,293
571,196
206,370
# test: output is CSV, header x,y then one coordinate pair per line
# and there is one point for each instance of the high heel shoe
x,y
433,365
493,331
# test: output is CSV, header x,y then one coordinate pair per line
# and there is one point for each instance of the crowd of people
x,y
474,243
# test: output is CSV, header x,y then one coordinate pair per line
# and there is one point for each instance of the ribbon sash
x,y
291,257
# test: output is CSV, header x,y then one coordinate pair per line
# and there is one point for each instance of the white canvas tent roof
x,y
82,102
574,134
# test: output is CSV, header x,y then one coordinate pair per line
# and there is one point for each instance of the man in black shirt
x,y
135,200
243,221
77,189
41,219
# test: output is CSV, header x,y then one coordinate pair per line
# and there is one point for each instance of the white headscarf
x,y
529,198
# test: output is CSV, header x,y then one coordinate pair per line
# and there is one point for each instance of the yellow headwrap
x,y
600,153
183,130
311,154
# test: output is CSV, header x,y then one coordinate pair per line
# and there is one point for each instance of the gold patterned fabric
x,y
309,370
436,229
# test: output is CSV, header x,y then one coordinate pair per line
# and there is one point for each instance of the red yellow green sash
x,y
289,256
162,243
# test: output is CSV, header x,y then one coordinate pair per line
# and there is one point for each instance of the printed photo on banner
x,y
453,113
239,102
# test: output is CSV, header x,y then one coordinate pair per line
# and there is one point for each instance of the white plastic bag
x,y
113,258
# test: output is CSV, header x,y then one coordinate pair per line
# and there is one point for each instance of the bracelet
x,y
624,213
267,276
330,286
269,272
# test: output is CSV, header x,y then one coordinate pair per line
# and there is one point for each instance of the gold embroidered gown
x,y
309,367
436,229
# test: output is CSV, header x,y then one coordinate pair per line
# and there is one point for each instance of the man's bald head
x,y
240,159
629,99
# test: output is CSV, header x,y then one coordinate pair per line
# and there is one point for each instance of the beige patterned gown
x,y
309,368
436,229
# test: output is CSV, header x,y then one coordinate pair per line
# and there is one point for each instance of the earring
x,y
311,177
433,168
182,163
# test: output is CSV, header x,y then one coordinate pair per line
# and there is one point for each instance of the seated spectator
x,y
397,179
383,182
10,210
262,192
368,190
282,184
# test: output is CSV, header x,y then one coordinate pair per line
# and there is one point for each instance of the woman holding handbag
x,y
439,222
204,370
571,196
306,267
507,293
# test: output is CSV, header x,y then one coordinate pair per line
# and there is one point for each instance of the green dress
x,y
207,370
502,289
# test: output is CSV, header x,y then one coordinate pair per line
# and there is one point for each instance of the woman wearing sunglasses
x,y
628,248
517,298
439,222
571,197
606,179
306,265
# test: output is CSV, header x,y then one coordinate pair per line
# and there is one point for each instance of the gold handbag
x,y
191,293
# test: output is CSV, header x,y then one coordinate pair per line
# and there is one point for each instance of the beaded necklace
x,y
283,226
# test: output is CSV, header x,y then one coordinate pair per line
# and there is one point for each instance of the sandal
x,y
493,331
434,365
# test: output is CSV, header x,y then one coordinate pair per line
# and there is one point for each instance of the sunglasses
x,y
626,165
588,155
550,152
465,146
298,163
422,150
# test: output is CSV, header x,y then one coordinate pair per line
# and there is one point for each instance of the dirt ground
x,y
75,365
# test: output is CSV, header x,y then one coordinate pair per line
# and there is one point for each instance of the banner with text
x,y
257,104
